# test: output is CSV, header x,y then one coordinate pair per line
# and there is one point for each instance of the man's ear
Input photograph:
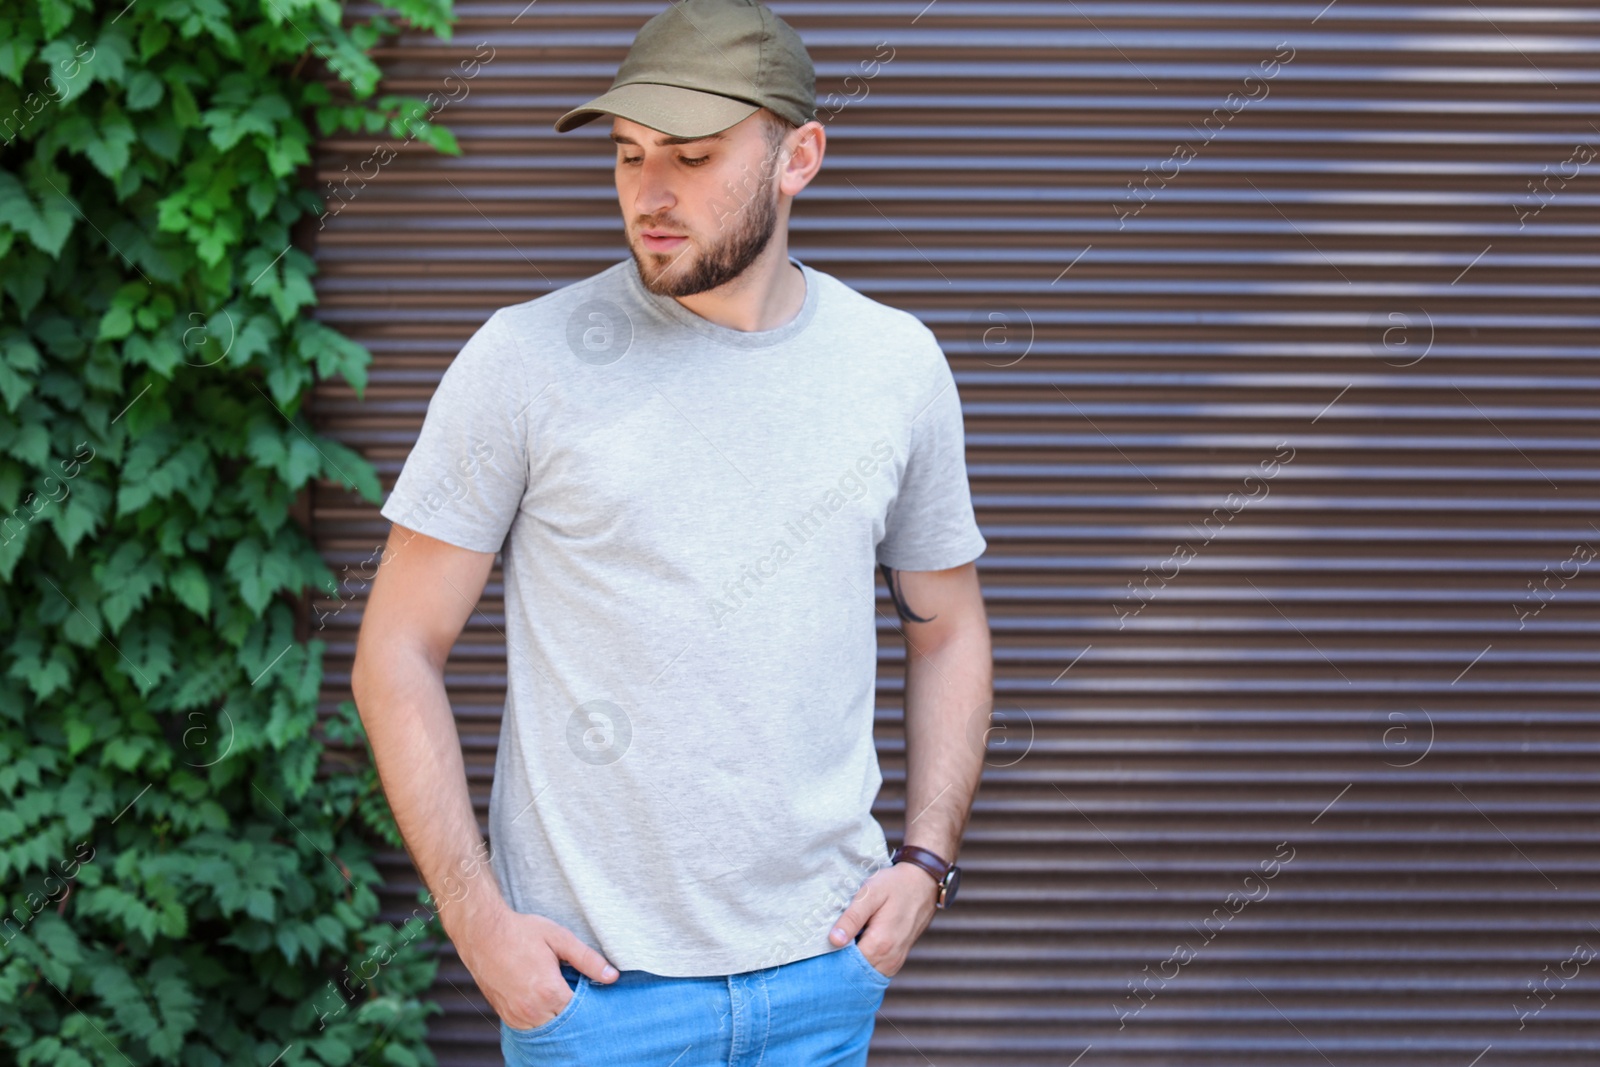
x,y
804,161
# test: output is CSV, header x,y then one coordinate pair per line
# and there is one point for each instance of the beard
x,y
718,264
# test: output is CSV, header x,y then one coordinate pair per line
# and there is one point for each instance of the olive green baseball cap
x,y
701,66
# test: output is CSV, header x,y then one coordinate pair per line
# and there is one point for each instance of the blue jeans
x,y
815,1012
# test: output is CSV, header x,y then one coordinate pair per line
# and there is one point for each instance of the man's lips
x,y
661,240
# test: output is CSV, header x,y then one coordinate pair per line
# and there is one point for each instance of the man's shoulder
x,y
852,302
554,310
889,330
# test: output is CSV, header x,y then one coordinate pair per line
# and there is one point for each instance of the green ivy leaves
x,y
44,220
180,884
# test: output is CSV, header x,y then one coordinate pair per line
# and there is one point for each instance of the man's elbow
x,y
383,659
362,676
960,627
373,665
961,632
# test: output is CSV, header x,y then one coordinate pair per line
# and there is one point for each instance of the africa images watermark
x,y
57,88
32,505
452,488
757,182
801,530
33,904
456,890
1583,552
1185,953
751,184
807,926
1184,152
1185,551
1541,194
1582,954
382,155
869,68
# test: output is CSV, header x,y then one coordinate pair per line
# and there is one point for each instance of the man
x,y
692,463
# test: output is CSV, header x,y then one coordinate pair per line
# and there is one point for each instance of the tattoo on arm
x,y
900,606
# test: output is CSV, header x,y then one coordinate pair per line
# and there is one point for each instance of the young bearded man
x,y
692,463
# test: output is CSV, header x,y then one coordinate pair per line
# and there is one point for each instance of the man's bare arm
x,y
422,596
949,695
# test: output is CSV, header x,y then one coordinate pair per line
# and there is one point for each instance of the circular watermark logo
x,y
200,342
1003,332
599,332
599,732
207,740
1003,732
1401,337
1401,738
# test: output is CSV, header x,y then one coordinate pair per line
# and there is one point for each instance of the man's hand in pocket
x,y
894,906
516,961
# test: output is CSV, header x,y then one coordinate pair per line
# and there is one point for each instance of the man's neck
x,y
766,296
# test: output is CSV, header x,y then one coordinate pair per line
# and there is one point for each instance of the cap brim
x,y
674,111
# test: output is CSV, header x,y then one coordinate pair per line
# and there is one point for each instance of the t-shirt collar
x,y
723,334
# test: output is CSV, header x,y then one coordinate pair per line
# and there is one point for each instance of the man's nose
x,y
654,193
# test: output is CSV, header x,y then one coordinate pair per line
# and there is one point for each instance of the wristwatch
x,y
948,875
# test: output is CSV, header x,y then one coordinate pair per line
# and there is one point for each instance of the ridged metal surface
x,y
1348,670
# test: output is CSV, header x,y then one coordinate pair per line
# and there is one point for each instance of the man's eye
x,y
635,160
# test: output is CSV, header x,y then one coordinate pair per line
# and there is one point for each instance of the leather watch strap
x,y
927,859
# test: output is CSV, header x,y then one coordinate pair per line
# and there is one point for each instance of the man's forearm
x,y
409,722
949,693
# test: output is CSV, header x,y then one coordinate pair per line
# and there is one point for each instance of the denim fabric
x,y
815,1012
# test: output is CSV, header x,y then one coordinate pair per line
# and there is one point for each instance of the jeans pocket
x,y
866,965
561,1018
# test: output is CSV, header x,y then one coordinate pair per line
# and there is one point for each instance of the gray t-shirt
x,y
691,518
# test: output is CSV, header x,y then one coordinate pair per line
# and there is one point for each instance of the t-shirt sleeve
x,y
930,525
465,478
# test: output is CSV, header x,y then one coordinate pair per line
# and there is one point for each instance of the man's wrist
x,y
939,846
478,904
945,875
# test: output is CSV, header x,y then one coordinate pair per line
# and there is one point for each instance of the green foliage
x,y
181,885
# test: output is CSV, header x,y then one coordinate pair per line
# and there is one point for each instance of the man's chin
x,y
657,267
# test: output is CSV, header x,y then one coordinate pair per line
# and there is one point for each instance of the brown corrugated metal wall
x,y
1281,412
